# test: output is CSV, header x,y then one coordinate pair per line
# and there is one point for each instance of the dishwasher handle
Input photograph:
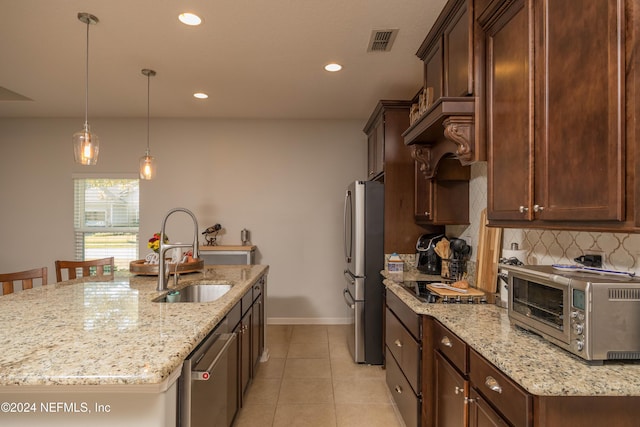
x,y
204,375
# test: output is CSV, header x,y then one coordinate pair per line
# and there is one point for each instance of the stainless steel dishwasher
x,y
207,376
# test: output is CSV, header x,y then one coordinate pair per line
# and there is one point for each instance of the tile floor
x,y
310,380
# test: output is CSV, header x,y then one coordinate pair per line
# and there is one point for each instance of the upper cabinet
x,y
448,113
391,163
561,102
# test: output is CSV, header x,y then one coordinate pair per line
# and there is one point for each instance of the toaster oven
x,y
595,317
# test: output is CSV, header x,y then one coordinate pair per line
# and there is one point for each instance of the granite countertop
x,y
108,332
540,367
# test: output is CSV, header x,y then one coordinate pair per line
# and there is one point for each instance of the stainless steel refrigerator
x,y
364,258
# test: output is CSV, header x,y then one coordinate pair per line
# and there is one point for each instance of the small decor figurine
x,y
211,234
154,245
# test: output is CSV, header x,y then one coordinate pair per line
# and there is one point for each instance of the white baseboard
x,y
309,320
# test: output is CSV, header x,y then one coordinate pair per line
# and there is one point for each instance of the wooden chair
x,y
26,277
94,267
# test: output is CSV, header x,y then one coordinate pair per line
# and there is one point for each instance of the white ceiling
x,y
255,58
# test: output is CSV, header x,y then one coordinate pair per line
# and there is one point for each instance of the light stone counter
x,y
85,333
540,367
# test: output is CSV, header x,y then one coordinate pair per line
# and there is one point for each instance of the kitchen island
x,y
553,384
101,352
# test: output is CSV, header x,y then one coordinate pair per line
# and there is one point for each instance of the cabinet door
x,y
375,147
450,392
481,414
444,199
580,110
257,337
510,115
245,351
458,45
423,199
433,70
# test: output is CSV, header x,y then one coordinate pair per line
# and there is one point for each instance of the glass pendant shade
x,y
148,166
85,144
85,147
147,162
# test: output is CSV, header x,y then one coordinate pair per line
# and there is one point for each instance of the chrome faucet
x,y
163,271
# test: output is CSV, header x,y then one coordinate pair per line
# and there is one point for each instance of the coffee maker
x,y
427,260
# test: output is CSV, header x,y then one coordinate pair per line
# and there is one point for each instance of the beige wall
x,y
282,180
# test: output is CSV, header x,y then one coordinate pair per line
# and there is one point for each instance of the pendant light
x,y
85,143
148,167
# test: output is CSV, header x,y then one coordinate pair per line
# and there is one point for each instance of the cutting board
x,y
471,292
488,255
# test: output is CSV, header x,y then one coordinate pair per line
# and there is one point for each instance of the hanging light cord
x,y
86,85
148,103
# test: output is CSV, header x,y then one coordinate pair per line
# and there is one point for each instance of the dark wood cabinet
x,y
450,122
450,393
443,199
375,149
385,126
257,325
481,414
403,356
557,98
246,319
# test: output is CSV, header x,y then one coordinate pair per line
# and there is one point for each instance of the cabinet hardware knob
x,y
426,213
446,342
398,389
458,390
538,208
492,384
523,209
468,400
398,343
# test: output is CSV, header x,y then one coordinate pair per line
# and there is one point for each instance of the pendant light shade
x,y
148,166
85,143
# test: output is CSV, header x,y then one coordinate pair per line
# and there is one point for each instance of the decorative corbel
x,y
459,130
422,154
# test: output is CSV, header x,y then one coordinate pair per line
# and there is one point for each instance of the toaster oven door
x,y
540,307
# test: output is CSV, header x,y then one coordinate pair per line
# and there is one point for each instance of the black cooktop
x,y
420,291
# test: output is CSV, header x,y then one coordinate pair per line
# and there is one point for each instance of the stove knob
x,y
458,299
470,300
445,300
483,300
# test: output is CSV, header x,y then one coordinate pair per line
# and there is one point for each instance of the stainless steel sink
x,y
197,292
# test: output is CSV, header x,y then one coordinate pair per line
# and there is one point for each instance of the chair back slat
x,y
24,277
94,267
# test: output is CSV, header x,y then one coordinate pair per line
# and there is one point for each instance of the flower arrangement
x,y
154,242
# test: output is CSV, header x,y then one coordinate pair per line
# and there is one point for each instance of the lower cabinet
x,y
481,414
403,355
450,394
248,317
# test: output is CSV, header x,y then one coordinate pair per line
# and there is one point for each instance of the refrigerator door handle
x,y
350,279
348,240
351,304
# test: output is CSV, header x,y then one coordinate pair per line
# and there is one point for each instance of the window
x,y
106,219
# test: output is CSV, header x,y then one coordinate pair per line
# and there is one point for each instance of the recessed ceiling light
x,y
333,67
200,95
190,19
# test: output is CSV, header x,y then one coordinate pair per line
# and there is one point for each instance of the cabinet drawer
x,y
407,402
247,301
257,289
408,317
452,347
234,315
404,348
505,395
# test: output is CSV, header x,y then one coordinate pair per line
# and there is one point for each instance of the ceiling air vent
x,y
381,40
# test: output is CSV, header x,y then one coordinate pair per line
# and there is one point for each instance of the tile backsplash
x,y
619,251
